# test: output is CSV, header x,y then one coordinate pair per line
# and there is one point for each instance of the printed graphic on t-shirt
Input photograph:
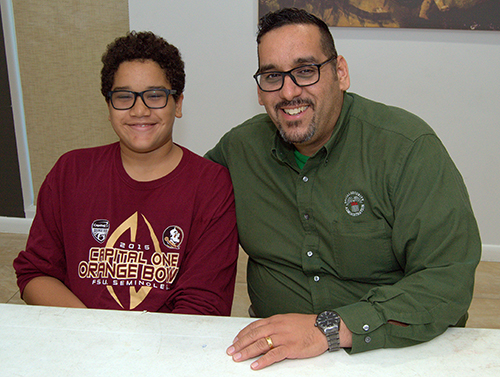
x,y
173,237
100,229
120,264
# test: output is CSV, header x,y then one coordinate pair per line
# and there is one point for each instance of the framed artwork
x,y
430,14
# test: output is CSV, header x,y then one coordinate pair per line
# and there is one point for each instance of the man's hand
x,y
293,336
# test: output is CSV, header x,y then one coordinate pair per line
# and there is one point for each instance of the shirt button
x,y
368,339
316,278
366,327
310,253
305,179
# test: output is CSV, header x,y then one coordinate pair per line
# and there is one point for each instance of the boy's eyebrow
x,y
147,88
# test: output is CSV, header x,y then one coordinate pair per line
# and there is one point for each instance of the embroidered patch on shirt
x,y
354,203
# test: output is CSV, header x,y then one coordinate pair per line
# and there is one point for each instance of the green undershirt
x,y
300,159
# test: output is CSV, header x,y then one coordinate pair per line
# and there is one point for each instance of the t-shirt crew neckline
x,y
148,185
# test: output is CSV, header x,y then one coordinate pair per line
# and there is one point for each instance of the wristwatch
x,y
329,322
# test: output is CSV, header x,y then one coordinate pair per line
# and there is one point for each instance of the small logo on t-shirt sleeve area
x,y
100,229
354,203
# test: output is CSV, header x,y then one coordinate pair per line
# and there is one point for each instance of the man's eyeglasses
x,y
153,98
302,76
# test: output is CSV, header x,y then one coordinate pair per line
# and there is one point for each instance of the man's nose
x,y
290,90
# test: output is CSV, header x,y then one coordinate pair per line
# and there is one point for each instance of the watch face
x,y
327,320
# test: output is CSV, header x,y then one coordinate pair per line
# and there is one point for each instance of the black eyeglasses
x,y
153,98
304,75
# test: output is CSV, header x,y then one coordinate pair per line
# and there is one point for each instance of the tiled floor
x,y
484,311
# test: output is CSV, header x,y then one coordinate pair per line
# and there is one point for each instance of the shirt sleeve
x,y
44,253
436,240
206,280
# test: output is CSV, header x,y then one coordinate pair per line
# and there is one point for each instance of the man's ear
x,y
343,73
259,92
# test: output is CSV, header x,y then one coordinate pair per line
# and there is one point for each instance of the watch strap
x,y
329,323
333,340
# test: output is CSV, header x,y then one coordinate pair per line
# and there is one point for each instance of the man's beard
x,y
294,137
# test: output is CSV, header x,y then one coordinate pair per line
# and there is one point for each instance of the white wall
x,y
449,78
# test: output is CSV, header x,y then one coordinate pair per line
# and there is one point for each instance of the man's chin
x,y
295,138
296,132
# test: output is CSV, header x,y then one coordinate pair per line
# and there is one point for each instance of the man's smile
x,y
295,111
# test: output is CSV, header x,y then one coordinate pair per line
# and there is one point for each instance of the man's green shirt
x,y
376,226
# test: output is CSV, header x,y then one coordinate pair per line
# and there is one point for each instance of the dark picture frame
x,y
430,14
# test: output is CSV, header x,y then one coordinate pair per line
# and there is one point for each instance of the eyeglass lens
x,y
301,76
154,99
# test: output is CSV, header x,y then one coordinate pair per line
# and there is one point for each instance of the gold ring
x,y
269,342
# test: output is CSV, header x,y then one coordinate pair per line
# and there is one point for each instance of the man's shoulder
x,y
249,138
258,125
198,163
389,119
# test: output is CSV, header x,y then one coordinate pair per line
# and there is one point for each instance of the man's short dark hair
x,y
294,16
143,46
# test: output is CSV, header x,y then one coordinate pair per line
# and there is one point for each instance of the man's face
x,y
305,116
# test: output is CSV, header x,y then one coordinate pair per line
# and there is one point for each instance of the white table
x,y
44,341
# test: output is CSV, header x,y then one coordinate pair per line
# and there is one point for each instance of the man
x,y
357,224
142,224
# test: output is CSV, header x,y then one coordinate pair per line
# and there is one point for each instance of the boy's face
x,y
141,129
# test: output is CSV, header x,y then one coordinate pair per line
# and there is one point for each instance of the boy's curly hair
x,y
143,46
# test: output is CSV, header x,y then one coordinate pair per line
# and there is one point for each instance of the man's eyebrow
x,y
267,67
297,63
306,60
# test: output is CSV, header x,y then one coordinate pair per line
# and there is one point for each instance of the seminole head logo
x,y
173,237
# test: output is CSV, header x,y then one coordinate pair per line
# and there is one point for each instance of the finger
x,y
259,347
251,334
250,328
273,356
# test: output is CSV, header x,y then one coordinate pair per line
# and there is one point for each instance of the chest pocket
x,y
363,251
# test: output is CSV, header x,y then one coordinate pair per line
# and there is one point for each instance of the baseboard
x,y
491,253
15,225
